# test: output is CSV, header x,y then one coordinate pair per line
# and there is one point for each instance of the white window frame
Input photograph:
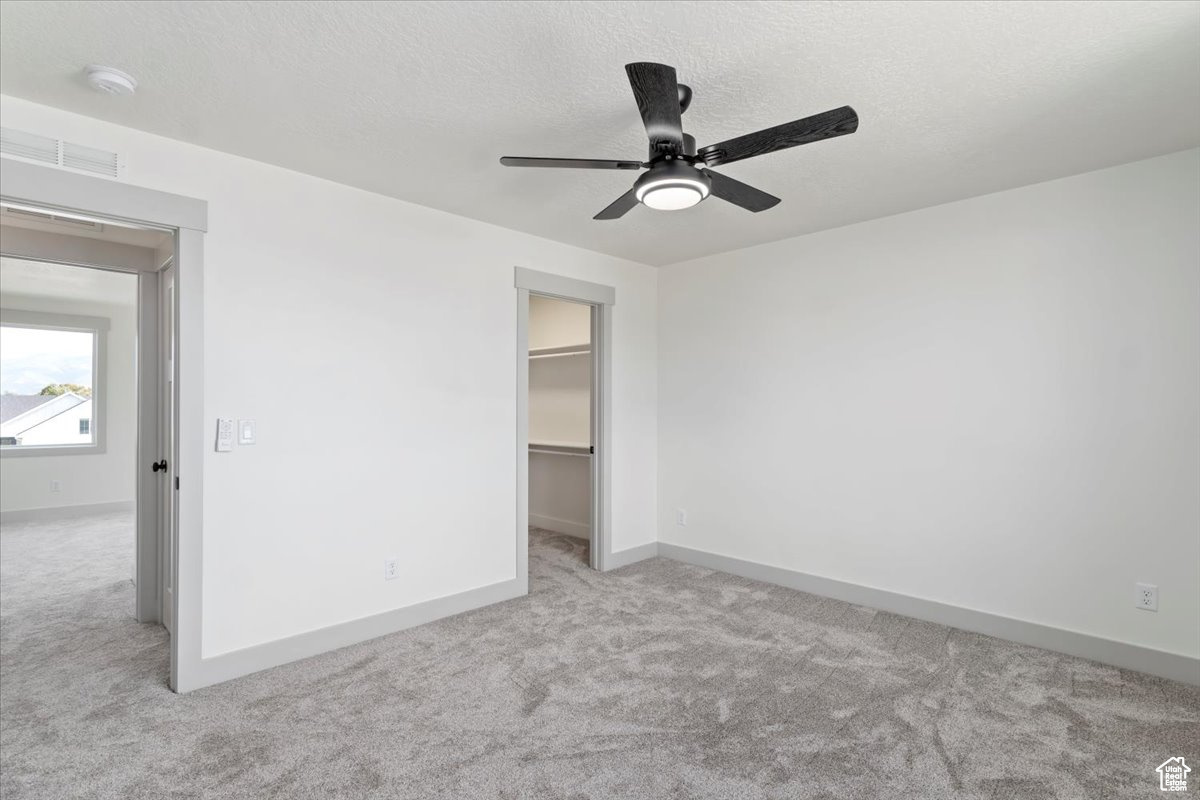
x,y
98,327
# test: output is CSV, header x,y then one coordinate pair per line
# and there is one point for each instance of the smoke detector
x,y
110,80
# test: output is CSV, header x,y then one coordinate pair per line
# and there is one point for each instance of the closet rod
x,y
560,355
553,352
560,449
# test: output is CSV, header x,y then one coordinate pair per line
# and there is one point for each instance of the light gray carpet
x,y
660,680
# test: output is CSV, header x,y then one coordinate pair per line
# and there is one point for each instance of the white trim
x,y
632,555
98,327
188,670
237,663
551,285
576,530
1107,651
21,318
602,436
56,190
64,512
522,532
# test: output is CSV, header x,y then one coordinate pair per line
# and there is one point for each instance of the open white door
x,y
167,438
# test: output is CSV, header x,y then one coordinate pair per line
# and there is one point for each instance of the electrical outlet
x,y
1145,596
681,517
391,569
55,486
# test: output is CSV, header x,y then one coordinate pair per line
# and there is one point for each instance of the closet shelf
x,y
560,448
566,350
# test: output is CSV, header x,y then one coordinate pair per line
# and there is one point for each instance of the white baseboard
x,y
631,555
64,512
577,530
238,663
1107,651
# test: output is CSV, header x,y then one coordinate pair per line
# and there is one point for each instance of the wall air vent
x,y
29,146
45,150
89,159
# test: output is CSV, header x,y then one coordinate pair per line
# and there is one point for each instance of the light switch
x,y
224,435
245,431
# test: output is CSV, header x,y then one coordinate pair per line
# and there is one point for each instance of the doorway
x,y
560,427
87,309
68,194
564,329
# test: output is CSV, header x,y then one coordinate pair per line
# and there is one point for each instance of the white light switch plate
x,y
224,435
245,431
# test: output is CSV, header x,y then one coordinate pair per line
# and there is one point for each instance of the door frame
x,y
601,298
57,190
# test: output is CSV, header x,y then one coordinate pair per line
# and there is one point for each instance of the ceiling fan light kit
x,y
672,185
680,176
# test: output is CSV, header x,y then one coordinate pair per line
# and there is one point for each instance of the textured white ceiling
x,y
417,100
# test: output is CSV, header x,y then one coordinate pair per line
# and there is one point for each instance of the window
x,y
51,383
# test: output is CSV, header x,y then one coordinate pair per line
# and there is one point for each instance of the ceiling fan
x,y
679,175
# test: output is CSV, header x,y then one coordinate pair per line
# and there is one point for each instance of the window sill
x,y
16,451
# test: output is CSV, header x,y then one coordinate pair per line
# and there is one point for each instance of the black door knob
x,y
161,466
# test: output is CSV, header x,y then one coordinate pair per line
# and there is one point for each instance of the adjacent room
x,y
77,356
68,432
599,399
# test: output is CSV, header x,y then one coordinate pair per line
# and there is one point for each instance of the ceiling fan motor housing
x,y
689,150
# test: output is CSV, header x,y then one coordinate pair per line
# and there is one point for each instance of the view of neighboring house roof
x,y
14,405
35,413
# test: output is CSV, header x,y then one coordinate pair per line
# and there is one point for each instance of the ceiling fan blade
x,y
657,95
740,194
619,206
837,122
569,163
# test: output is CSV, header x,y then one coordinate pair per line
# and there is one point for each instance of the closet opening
x,y
564,421
562,425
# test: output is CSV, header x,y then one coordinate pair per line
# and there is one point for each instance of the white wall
x,y
991,403
321,298
560,493
560,399
558,323
108,477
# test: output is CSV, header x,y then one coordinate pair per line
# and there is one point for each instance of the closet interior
x,y
560,416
